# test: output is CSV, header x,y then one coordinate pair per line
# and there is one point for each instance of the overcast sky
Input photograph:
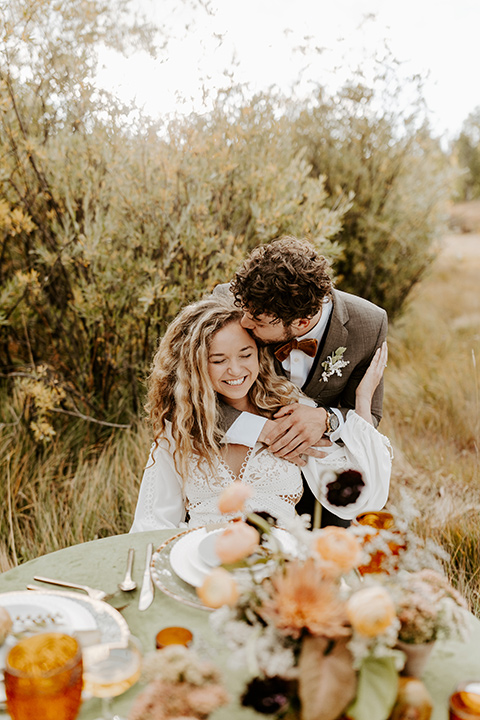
x,y
256,39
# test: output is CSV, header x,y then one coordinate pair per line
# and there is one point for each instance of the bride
x,y
207,360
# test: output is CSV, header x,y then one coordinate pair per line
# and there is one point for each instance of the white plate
x,y
31,612
209,557
200,566
189,563
180,556
206,549
167,580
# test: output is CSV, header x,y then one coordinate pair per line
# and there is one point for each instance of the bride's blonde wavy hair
x,y
180,391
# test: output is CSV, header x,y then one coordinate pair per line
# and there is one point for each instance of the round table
x,y
101,564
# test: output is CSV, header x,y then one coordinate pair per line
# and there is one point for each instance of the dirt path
x,y
463,242
462,245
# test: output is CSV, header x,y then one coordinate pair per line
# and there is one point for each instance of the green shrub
x,y
399,180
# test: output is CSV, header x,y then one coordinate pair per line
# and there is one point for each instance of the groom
x,y
322,339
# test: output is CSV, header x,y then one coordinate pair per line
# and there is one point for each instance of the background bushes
x,y
109,230
398,179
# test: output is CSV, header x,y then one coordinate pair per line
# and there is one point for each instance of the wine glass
x,y
43,677
110,670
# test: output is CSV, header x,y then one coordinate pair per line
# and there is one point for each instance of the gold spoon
x,y
127,583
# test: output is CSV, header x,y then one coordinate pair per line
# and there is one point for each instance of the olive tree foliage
x,y
108,226
466,150
48,130
366,145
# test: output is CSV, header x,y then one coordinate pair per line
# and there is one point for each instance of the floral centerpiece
x,y
317,637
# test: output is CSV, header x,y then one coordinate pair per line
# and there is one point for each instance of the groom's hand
x,y
295,429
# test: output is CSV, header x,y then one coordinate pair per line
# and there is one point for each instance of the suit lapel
x,y
336,337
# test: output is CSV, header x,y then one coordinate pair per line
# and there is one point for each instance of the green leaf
x,y
376,691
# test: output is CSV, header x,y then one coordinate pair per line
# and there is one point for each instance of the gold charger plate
x,y
166,579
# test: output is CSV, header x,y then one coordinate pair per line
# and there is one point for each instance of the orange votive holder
x,y
173,636
379,521
465,701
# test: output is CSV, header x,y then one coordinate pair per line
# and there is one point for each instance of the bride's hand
x,y
374,374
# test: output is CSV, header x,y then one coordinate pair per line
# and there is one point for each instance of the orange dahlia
x,y
301,599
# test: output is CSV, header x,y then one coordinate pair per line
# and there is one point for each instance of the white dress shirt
x,y
298,364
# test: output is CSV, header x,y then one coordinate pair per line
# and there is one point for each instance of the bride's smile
x,y
233,364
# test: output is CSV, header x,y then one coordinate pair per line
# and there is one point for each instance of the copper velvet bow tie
x,y
309,347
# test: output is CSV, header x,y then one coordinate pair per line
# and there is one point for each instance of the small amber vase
x,y
413,700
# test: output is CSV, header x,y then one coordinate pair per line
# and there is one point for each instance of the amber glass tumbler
x,y
43,678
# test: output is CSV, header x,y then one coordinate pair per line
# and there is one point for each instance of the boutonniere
x,y
334,363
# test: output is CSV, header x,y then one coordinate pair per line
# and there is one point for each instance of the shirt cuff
x,y
245,430
336,434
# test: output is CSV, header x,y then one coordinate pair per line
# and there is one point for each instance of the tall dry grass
x,y
432,408
72,492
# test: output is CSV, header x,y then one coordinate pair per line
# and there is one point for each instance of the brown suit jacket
x,y
355,324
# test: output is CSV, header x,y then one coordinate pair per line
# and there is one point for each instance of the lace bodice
x,y
164,497
277,486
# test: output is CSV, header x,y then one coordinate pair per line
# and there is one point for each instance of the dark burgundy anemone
x,y
345,489
267,695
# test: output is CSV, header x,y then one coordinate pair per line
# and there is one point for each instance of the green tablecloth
x,y
101,564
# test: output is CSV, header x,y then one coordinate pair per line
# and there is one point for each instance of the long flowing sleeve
x,y
160,502
365,450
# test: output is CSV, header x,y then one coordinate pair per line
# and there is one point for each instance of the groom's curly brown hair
x,y
286,278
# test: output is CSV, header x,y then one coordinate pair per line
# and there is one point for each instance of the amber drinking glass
x,y
43,678
465,701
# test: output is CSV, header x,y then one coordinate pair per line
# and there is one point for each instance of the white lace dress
x,y
164,500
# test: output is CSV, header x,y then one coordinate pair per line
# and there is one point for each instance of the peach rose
x,y
219,588
236,542
371,611
338,549
233,497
